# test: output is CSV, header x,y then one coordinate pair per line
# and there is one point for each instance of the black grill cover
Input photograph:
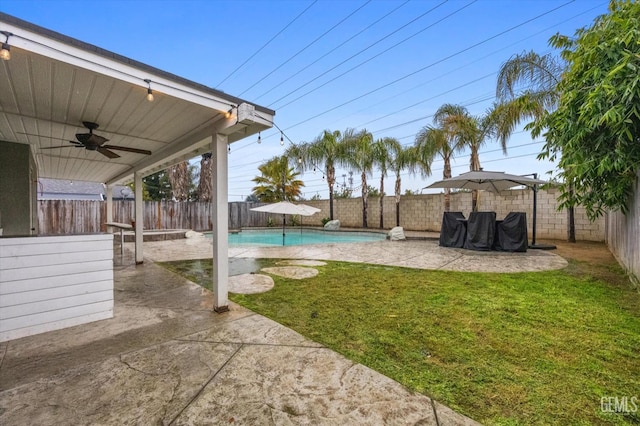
x,y
511,233
453,231
481,228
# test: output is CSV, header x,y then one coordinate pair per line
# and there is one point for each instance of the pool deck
x,y
420,251
167,358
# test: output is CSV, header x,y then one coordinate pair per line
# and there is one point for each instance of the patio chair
x,y
453,229
481,229
511,233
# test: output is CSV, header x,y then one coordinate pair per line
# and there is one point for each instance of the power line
x,y
573,17
260,80
410,136
362,51
268,42
429,66
333,50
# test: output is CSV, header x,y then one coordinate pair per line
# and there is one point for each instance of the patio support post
x,y
220,221
109,194
535,210
139,217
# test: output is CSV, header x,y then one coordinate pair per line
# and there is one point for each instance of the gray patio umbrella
x,y
284,208
496,182
488,181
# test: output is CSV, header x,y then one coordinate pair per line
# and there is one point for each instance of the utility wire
x,y
358,53
267,43
260,80
333,50
429,66
503,32
484,56
496,51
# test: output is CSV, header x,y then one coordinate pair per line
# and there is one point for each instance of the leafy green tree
x,y
277,181
595,130
327,149
157,186
373,191
343,192
145,190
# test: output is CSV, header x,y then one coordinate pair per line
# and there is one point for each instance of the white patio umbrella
x,y
284,208
496,182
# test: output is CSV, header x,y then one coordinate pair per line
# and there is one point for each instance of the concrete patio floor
x,y
166,358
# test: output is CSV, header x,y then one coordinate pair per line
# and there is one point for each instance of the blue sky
x,y
383,65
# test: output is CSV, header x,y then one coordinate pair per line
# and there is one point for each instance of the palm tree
x,y
386,154
179,178
529,82
277,181
527,87
439,140
327,149
401,158
360,156
204,190
471,132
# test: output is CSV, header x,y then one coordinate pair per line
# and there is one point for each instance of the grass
x,y
503,349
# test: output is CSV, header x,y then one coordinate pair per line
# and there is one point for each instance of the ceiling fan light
x,y
5,53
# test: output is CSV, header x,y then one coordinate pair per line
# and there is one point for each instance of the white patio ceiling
x,y
53,83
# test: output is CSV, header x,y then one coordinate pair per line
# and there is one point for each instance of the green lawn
x,y
507,349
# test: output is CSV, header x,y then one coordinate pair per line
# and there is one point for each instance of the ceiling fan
x,y
93,142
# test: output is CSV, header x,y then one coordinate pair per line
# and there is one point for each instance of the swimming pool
x,y
297,236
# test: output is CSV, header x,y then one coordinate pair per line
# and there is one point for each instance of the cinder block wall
x,y
424,212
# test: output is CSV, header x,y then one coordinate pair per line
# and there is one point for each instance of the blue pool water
x,y
296,237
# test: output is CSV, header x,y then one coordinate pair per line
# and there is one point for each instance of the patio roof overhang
x,y
53,83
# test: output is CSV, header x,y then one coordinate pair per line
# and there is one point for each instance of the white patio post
x,y
139,217
220,221
109,194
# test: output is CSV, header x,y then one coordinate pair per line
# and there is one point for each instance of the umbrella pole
x,y
283,224
535,211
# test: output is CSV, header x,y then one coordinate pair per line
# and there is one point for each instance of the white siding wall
x,y
49,283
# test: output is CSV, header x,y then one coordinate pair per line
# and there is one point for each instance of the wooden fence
x,y
418,212
58,217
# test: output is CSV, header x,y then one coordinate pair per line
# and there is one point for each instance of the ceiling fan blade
x,y
74,145
41,136
62,146
107,153
124,148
